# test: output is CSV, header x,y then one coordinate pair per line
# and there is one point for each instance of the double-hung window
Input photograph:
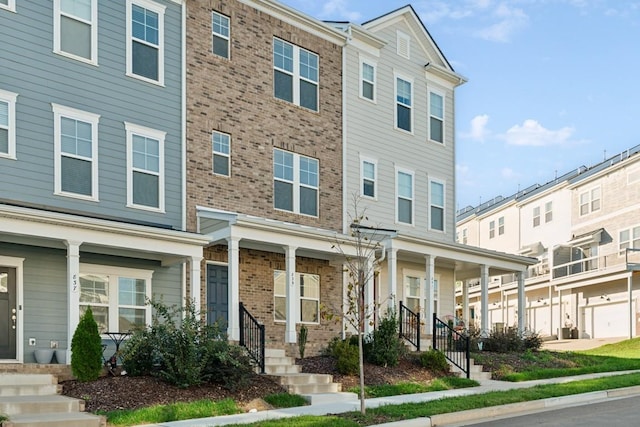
x,y
221,145
436,117
369,178
76,152
145,167
412,297
117,296
629,238
548,212
8,4
309,285
295,74
220,27
296,181
500,226
76,29
404,93
436,211
368,80
8,124
536,216
492,229
145,40
464,236
404,191
590,201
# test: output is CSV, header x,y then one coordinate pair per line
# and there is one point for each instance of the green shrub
x,y
139,354
302,340
384,346
346,355
86,349
228,364
511,340
434,360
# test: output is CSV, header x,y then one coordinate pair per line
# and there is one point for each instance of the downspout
x,y
183,136
345,226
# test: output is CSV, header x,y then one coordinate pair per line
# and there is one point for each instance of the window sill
x,y
76,58
76,196
146,208
145,79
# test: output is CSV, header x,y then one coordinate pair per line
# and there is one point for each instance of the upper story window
x,y
629,238
404,94
76,29
492,229
145,40
548,212
436,208
295,75
296,180
436,117
465,238
8,4
8,124
220,27
500,226
404,190
590,201
221,146
369,178
403,47
145,167
536,216
76,152
368,80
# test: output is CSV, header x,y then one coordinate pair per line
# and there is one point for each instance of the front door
x,y
218,295
8,313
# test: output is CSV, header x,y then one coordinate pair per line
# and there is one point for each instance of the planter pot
x,y
61,356
43,355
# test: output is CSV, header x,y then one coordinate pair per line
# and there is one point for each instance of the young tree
x,y
360,264
86,349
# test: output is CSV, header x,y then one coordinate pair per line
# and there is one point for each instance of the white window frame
x,y
113,274
296,76
403,44
160,10
548,212
500,226
407,295
220,35
536,216
297,185
215,153
298,275
589,201
442,119
423,289
57,13
59,112
133,129
10,98
464,236
374,162
412,199
396,103
630,242
492,229
374,65
11,6
432,204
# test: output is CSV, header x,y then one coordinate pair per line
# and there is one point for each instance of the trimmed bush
x,y
86,349
434,361
228,364
346,355
512,341
384,346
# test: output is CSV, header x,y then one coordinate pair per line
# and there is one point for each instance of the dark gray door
x,y
218,295
8,313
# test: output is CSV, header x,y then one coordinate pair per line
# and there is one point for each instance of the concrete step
x,y
29,390
320,398
18,405
282,369
77,419
27,379
274,352
314,388
304,378
270,360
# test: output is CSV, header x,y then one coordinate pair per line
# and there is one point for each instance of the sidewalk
x,y
349,402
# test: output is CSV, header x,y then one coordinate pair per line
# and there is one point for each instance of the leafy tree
x,y
86,349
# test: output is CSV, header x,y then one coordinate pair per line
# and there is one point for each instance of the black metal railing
x,y
454,344
409,325
252,336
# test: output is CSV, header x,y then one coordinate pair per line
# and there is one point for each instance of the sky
x,y
552,84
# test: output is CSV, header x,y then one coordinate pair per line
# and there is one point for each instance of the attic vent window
x,y
404,44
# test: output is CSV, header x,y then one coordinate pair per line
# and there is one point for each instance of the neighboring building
x,y
583,227
92,158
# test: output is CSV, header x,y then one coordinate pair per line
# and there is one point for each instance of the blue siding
x,y
41,77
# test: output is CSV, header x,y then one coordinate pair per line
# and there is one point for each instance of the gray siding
x,y
41,77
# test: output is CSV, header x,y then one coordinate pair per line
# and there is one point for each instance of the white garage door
x,y
605,321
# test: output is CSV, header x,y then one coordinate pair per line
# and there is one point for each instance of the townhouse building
x,y
92,160
582,228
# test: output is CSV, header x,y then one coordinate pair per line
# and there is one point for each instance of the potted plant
x,y
43,355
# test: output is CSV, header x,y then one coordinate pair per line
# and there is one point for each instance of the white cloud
x,y
478,131
511,20
532,133
339,9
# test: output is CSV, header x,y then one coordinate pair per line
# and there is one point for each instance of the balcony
x,y
593,264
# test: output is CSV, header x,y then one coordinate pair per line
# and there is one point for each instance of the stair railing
x,y
409,325
453,344
252,337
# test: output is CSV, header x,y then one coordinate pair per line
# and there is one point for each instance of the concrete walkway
x,y
349,402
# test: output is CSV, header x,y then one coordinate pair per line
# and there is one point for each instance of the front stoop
x,y
33,401
288,374
476,371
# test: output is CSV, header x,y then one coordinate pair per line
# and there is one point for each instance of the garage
x,y
606,320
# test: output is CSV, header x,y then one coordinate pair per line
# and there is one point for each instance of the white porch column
x,y
430,279
369,302
484,299
195,290
233,259
292,295
561,317
392,268
465,303
73,291
630,298
521,302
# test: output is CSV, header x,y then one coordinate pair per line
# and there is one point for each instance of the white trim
x,y
409,80
365,60
222,36
11,6
60,111
589,203
133,129
218,153
57,13
154,7
17,263
10,98
297,185
295,74
300,298
411,173
444,107
374,162
443,207
403,44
